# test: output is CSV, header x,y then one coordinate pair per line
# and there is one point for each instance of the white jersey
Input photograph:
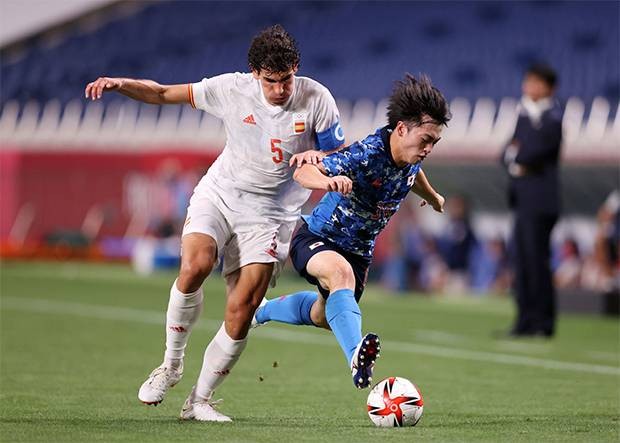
x,y
252,172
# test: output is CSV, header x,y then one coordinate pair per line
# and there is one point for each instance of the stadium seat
x,y
468,53
183,41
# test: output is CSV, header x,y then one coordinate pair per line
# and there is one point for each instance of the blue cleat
x,y
363,361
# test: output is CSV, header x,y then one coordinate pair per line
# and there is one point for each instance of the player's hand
x,y
312,157
95,89
341,184
436,202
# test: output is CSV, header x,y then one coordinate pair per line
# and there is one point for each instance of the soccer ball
x,y
395,402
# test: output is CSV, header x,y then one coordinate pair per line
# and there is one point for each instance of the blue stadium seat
x,y
470,49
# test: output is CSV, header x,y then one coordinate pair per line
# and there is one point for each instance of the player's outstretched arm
x,y
146,91
423,188
313,177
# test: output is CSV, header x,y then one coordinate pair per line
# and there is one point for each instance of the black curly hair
x,y
544,72
273,50
413,98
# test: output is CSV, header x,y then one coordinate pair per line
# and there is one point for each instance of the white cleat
x,y
153,390
201,410
255,323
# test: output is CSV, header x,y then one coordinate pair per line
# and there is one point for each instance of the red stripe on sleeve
x,y
190,91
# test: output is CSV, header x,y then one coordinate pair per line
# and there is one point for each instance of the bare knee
x,y
195,268
340,277
332,271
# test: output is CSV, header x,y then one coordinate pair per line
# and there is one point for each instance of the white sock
x,y
183,311
220,356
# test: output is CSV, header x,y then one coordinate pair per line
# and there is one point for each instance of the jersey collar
x,y
385,133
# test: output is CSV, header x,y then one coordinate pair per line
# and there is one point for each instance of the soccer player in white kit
x,y
245,207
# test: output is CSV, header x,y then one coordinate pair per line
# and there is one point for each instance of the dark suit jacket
x,y
538,190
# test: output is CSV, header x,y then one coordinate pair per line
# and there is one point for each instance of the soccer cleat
x,y
255,323
201,410
363,361
162,378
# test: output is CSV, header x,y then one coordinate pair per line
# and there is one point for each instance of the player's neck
x,y
395,151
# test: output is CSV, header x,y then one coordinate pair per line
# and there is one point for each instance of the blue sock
x,y
293,309
345,318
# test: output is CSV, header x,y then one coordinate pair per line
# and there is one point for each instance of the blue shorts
x,y
306,244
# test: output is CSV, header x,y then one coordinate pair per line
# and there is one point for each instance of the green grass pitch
x,y
77,340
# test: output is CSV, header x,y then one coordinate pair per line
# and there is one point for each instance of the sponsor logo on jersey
x,y
315,245
249,120
385,210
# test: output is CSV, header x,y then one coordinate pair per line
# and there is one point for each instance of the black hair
x,y
544,72
273,50
414,98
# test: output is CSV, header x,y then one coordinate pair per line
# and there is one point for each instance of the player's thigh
x,y
205,217
205,233
332,270
264,242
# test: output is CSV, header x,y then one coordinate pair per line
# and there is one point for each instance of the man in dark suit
x,y
531,160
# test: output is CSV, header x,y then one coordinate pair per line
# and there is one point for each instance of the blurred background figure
x,y
602,269
450,259
490,268
171,190
167,193
531,160
405,251
457,244
568,264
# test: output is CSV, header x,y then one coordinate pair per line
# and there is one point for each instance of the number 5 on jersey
x,y
277,150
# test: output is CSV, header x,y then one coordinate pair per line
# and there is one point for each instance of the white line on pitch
x,y
47,306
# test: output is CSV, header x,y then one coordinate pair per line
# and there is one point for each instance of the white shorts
x,y
242,237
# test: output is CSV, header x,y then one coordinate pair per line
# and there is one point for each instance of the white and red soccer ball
x,y
395,402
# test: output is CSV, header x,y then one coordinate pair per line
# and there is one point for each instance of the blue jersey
x,y
353,222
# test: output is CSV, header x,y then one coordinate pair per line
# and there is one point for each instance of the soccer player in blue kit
x,y
366,183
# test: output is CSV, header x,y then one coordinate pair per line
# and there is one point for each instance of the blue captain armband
x,y
331,138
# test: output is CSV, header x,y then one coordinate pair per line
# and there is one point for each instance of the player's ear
x,y
255,74
295,69
401,129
